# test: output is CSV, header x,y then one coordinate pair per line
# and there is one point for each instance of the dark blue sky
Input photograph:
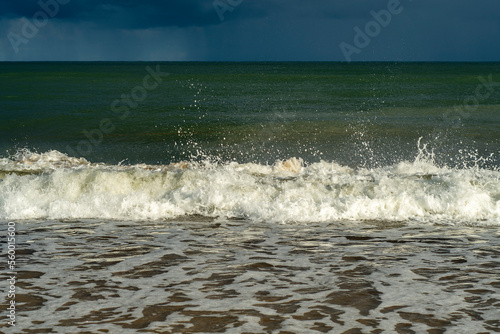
x,y
324,30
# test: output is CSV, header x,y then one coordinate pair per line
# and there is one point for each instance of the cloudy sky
x,y
267,30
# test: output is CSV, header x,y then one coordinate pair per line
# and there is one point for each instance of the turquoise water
x,y
367,114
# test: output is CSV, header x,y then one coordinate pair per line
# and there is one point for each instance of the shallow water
x,y
205,275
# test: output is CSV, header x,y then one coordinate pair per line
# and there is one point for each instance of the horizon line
x,y
249,61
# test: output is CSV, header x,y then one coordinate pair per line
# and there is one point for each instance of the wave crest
x,y
53,185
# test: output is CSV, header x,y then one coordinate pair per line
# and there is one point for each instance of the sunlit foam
x,y
288,191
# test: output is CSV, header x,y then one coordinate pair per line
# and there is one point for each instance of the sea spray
x,y
53,185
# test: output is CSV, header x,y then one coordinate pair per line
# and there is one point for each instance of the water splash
x,y
53,185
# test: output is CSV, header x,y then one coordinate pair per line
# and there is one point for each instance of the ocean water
x,y
252,197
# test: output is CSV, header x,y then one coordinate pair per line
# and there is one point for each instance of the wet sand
x,y
211,276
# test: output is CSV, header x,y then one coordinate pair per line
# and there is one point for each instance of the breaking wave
x,y
53,185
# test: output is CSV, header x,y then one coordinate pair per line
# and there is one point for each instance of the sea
x,y
250,197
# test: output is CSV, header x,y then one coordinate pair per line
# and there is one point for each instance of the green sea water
x,y
386,221
358,114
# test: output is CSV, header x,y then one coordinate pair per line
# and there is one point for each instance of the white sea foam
x,y
53,185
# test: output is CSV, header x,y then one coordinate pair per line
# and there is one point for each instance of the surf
x,y
53,185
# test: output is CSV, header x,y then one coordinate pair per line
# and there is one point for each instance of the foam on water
x,y
55,186
119,276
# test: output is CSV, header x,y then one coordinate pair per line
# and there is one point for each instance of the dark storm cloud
x,y
157,13
122,13
134,14
253,30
